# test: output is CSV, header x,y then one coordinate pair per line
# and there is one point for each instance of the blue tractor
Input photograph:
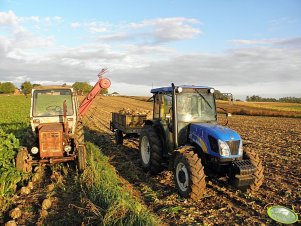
x,y
184,135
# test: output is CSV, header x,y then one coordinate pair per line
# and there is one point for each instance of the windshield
x,y
50,102
197,105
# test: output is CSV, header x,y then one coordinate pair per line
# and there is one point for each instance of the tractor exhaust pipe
x,y
174,116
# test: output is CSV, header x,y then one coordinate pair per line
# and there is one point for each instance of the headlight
x,y
67,148
240,150
34,150
179,90
224,149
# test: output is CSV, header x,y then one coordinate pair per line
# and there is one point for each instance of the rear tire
x,y
81,152
189,174
118,137
258,175
82,158
150,148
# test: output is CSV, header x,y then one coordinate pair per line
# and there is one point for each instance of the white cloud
x,y
148,31
8,18
93,26
169,29
254,42
76,25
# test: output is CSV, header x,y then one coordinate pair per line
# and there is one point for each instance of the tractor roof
x,y
169,88
51,87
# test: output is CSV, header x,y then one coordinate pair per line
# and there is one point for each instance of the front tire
x,y
189,174
150,147
258,175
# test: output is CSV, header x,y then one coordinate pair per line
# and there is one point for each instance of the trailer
x,y
126,125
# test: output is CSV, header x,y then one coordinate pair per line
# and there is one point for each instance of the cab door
x,y
163,116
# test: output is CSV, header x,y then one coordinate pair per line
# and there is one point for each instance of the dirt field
x,y
276,140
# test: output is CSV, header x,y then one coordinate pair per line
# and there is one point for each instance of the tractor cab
x,y
50,104
188,115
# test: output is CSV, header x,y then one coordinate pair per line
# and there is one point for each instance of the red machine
x,y
57,133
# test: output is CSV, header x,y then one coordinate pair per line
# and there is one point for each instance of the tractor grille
x,y
234,146
51,140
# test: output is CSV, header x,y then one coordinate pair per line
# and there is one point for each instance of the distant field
x,y
273,105
253,108
262,108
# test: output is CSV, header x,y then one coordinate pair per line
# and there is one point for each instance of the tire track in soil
x,y
159,192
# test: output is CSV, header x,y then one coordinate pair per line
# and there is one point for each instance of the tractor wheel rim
x,y
145,150
182,176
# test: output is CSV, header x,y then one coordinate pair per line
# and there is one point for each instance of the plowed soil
x,y
276,140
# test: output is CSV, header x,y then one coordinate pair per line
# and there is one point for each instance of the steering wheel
x,y
53,108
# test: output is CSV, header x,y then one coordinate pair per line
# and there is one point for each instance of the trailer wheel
x,y
189,174
21,161
118,136
150,150
258,175
81,158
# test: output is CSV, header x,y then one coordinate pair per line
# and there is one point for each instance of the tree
x,y
7,87
104,91
26,87
83,87
219,95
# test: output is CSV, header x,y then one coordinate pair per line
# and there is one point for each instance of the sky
x,y
250,47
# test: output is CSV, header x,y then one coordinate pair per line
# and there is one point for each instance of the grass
x,y
106,190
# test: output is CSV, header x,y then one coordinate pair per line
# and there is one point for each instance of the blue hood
x,y
200,134
219,132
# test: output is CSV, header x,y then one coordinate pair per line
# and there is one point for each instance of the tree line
x,y
9,88
256,98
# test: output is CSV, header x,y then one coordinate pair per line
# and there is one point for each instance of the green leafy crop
x,y
9,176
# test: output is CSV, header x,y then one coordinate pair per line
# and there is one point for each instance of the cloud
x,y
235,68
93,26
76,25
169,29
292,42
254,42
8,18
160,30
